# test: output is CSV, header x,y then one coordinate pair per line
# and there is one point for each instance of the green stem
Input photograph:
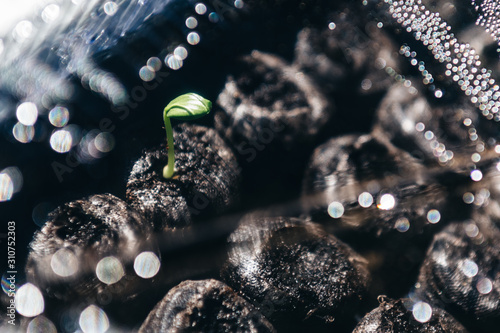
x,y
168,171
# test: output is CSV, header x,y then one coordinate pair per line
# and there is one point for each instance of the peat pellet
x,y
86,246
295,273
205,306
406,315
439,134
461,273
366,183
206,182
271,114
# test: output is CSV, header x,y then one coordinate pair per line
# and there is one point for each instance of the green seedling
x,y
185,107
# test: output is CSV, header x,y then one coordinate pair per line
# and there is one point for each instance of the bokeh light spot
x,y
365,199
6,187
173,61
104,142
109,270
23,133
61,141
64,262
468,197
335,209
191,22
193,38
402,224
476,175
422,312
386,202
146,265
41,324
484,286
110,8
433,216
146,73
469,268
27,113
29,300
59,116
50,13
93,320
200,8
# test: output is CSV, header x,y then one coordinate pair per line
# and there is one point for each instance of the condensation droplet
x,y
476,175
59,116
61,141
29,300
146,265
386,202
23,133
109,270
27,113
484,286
469,268
193,38
200,8
468,198
433,216
402,224
365,199
41,324
191,22
93,320
110,8
335,209
422,312
64,262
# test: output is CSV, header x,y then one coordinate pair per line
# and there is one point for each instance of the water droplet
x,y
64,262
484,286
29,300
104,142
469,268
110,8
433,216
476,175
193,38
22,133
27,113
335,209
191,22
109,270
402,224
386,202
200,8
422,312
41,324
93,320
365,199
61,141
147,265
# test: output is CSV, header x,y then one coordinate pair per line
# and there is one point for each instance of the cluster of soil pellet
x,y
386,232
